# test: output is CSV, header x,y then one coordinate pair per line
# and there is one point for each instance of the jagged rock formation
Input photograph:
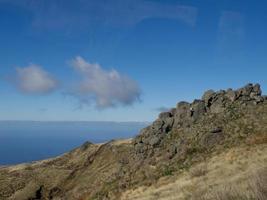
x,y
187,115
179,138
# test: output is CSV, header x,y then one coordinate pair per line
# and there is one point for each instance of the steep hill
x,y
212,148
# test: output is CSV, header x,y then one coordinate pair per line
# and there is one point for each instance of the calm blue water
x,y
30,141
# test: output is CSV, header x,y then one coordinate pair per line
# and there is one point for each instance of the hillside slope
x,y
198,150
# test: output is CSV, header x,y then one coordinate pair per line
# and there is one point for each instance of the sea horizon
x,y
28,141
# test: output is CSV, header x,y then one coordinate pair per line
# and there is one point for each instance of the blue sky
x,y
121,60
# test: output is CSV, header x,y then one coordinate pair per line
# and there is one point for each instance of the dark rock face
x,y
186,115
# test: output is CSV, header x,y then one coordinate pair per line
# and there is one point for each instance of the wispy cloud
x,y
84,14
34,80
102,87
231,27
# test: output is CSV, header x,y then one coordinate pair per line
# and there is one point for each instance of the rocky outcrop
x,y
185,115
175,141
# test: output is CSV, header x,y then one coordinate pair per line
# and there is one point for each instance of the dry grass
x,y
237,174
260,184
199,170
122,141
256,190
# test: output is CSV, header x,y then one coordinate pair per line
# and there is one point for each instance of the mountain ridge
x,y
173,144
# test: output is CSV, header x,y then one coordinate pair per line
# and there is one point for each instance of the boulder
x,y
167,126
218,104
197,109
165,115
207,97
173,111
157,125
154,141
165,122
258,99
182,104
182,110
231,95
182,113
245,91
257,89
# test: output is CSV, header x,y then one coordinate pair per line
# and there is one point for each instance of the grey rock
x,y
185,116
230,94
208,96
164,123
183,108
257,89
217,105
165,115
182,113
144,133
197,109
221,92
258,99
245,91
182,105
173,111
157,125
249,92
154,141
168,123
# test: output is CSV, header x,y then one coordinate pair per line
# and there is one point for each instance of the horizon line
x,y
96,121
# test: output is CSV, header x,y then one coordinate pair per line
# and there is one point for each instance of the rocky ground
x,y
179,140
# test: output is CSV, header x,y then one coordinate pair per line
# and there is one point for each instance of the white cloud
x,y
34,80
102,87
85,14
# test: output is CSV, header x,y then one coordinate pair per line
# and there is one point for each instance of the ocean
x,y
28,141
